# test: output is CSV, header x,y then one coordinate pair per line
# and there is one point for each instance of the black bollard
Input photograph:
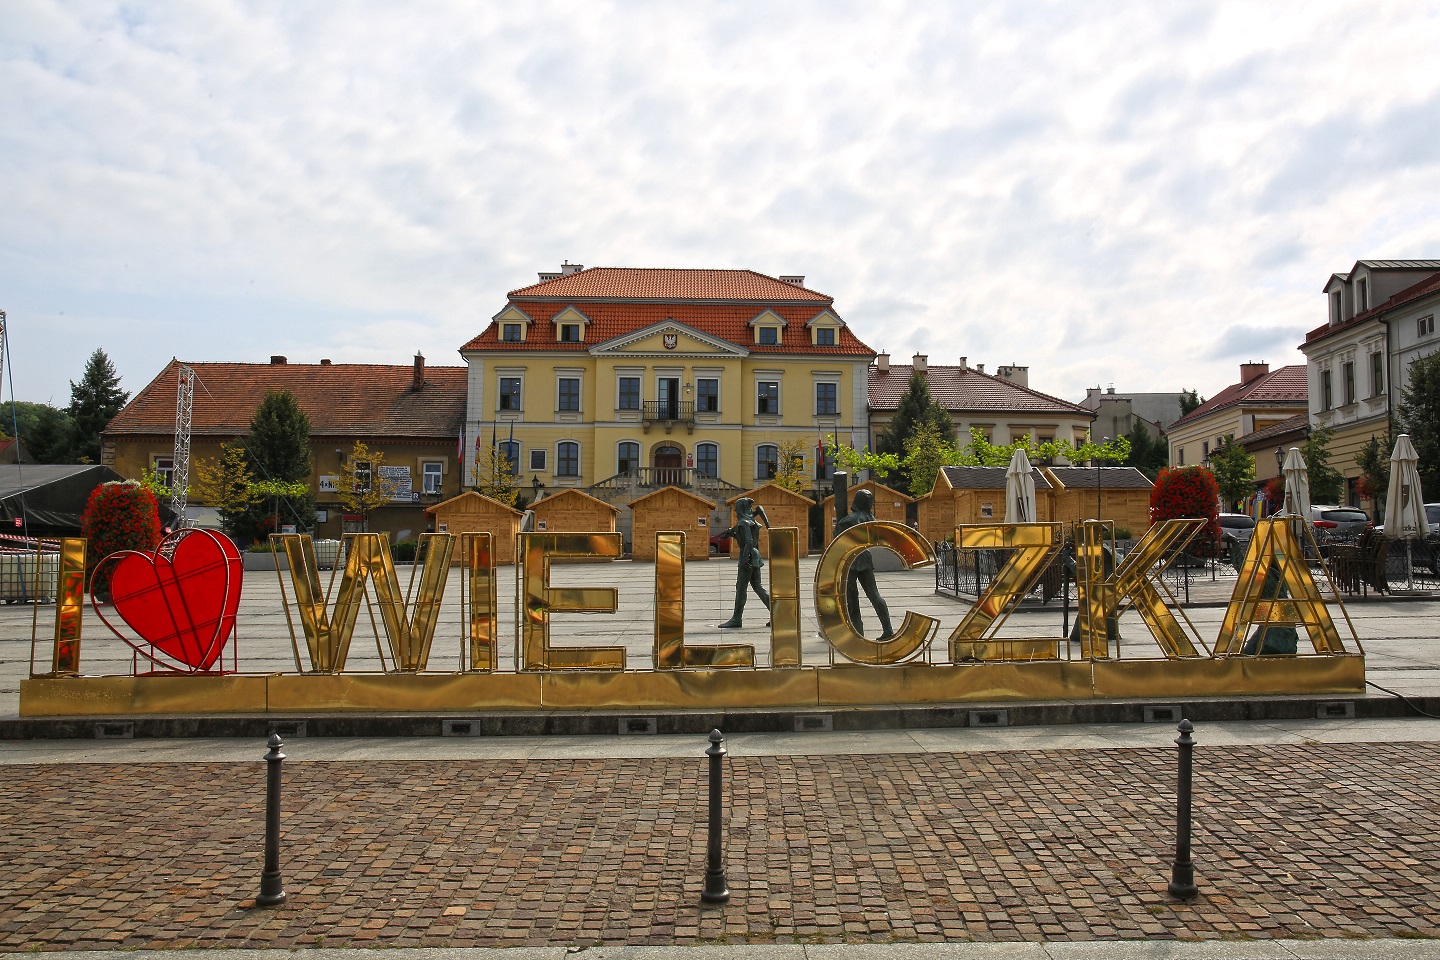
x,y
716,889
1182,872
272,887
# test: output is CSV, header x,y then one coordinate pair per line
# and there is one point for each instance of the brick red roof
x,y
341,399
1429,285
724,321
965,389
1278,387
669,285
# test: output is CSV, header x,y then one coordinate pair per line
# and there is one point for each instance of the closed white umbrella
x,y
1297,485
1404,505
1019,489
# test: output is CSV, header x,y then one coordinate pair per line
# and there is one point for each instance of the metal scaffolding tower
x,y
180,475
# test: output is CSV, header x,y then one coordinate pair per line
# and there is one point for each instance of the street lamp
x,y
537,486
1279,460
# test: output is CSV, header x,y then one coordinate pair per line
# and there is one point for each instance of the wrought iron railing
x,y
668,411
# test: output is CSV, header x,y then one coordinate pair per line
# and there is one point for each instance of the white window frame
x,y
778,398
432,468
619,458
760,461
543,455
710,444
579,459
500,393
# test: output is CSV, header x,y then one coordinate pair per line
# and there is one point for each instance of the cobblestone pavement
x,y
1293,841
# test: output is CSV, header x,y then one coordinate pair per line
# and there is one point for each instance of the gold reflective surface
x,y
1276,555
477,551
671,651
1034,546
538,600
1275,588
785,596
69,608
1135,580
832,574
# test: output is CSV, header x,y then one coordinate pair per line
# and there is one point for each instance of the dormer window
x,y
1362,295
824,336
1336,310
512,332
767,336
569,333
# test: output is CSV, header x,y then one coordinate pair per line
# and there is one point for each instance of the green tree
x,y
94,401
279,452
1374,463
790,466
46,431
1234,470
225,483
494,475
1326,482
1190,400
1148,454
916,407
361,487
1420,418
926,451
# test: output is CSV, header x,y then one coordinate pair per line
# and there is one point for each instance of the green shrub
x,y
404,551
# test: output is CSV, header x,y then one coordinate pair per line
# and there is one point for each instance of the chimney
x,y
795,280
1018,375
979,368
419,379
964,363
1110,389
919,362
1249,371
325,362
548,275
277,361
567,268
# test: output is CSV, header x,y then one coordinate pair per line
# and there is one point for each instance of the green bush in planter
x,y
404,551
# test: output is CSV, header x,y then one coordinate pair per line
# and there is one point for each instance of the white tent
x,y
1019,489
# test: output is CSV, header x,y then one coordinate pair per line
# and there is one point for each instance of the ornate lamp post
x,y
537,487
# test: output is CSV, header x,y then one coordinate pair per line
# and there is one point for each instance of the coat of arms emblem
x,y
671,340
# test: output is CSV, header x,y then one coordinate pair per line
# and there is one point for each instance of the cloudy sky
x,y
1143,195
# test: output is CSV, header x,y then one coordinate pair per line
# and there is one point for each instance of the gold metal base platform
x,y
800,687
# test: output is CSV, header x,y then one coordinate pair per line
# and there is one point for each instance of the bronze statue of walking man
x,y
746,534
862,570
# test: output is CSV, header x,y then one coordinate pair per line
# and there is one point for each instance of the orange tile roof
x,y
724,321
341,399
1288,385
647,283
964,389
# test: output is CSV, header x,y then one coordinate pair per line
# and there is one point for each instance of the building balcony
x,y
667,413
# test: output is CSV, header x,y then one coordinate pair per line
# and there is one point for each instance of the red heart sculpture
x,y
181,599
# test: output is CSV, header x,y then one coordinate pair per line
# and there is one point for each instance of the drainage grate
x,y
115,730
1335,710
989,718
288,728
459,728
638,725
810,722
1170,714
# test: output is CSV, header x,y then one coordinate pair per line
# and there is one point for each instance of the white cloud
x,y
1136,194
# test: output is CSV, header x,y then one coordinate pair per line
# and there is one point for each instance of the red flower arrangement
x,y
1275,491
118,516
1188,492
1363,489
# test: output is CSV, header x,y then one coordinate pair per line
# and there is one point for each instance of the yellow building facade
x,y
646,378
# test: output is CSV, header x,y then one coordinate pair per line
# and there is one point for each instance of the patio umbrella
x,y
1019,490
1404,506
1297,485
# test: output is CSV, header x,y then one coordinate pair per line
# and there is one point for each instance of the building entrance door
x,y
668,393
669,466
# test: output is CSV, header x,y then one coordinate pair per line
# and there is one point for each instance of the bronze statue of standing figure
x,y
862,570
746,534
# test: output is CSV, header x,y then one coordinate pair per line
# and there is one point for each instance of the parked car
x,y
1233,541
719,543
1339,521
